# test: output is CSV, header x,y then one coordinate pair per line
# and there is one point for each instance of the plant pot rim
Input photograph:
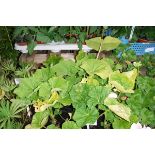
x,y
143,40
25,43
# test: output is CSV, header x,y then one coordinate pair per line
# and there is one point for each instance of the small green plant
x,y
6,44
9,112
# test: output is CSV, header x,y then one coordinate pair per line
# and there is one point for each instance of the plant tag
x,y
17,81
151,49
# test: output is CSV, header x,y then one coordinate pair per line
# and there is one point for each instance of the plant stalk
x,y
98,54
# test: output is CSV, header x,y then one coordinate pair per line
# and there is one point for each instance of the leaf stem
x,y
98,54
102,31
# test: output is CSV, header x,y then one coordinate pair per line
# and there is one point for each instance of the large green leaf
x,y
110,43
70,125
123,82
40,119
65,67
81,54
45,90
84,116
94,43
62,86
97,95
107,44
119,109
58,83
79,95
43,75
29,87
98,67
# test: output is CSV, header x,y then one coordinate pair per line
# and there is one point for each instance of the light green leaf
x,y
94,43
65,67
98,67
43,38
29,87
22,102
40,119
70,125
81,55
43,75
58,83
45,90
123,82
79,95
83,116
66,101
52,60
110,43
119,109
97,95
107,44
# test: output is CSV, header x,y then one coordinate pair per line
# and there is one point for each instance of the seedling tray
x,y
143,48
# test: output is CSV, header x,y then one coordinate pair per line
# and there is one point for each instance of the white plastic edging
x,y
52,47
88,125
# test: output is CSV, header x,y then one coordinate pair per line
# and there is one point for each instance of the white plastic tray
x,y
54,47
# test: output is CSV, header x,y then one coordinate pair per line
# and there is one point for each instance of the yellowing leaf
x,y
90,80
98,67
119,109
110,43
54,97
123,82
43,105
28,126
